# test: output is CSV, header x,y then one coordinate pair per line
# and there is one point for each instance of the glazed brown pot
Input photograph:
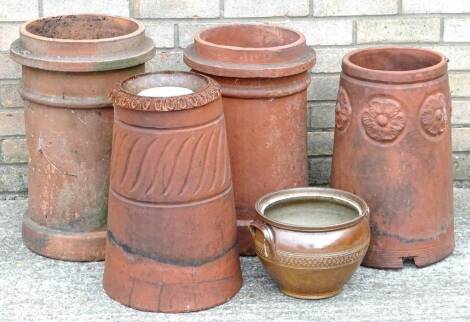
x,y
392,147
171,223
264,74
311,240
69,65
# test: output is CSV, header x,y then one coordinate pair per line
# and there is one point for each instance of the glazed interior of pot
x,y
165,83
81,27
311,212
395,59
250,36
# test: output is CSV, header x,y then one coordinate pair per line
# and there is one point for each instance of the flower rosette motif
x,y
383,119
434,114
343,110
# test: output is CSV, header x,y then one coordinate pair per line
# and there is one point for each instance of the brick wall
x,y
332,27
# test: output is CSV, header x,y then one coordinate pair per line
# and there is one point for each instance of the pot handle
x,y
268,234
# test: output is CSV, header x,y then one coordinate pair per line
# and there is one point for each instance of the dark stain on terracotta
x,y
171,261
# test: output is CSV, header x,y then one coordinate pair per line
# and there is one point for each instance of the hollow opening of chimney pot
x,y
250,36
82,27
396,59
165,84
165,91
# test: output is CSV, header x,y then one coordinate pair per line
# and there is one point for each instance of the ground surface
x,y
33,288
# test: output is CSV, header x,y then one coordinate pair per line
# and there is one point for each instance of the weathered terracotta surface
x,y
393,148
314,242
171,221
69,66
263,71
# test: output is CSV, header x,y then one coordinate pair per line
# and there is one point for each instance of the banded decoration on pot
x,y
311,240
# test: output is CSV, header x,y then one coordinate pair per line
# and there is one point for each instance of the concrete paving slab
x,y
33,288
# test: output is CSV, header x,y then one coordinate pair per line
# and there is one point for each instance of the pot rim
x,y
299,41
395,76
316,193
25,32
82,55
122,97
249,62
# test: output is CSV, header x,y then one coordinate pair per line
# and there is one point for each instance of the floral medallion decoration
x,y
434,114
383,119
343,110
